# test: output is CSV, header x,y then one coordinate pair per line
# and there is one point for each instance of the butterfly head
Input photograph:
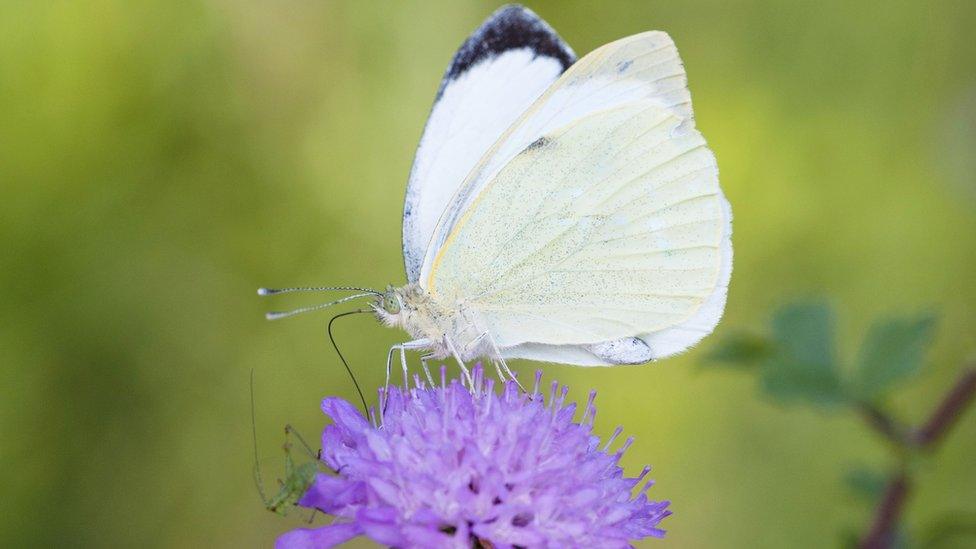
x,y
391,301
389,305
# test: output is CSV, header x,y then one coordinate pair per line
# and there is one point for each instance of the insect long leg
x,y
258,481
457,357
473,346
403,363
386,386
423,363
501,360
402,347
308,449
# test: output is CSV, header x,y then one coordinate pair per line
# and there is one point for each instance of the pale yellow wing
x,y
607,228
596,223
645,66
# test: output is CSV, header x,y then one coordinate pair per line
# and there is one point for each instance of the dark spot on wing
x,y
624,65
538,144
511,27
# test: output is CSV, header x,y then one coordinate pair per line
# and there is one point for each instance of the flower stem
x,y
949,411
892,429
889,510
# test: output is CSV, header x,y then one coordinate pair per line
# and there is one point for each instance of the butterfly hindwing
x,y
498,72
594,231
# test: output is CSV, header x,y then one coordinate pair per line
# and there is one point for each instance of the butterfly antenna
x,y
276,291
258,481
343,359
276,315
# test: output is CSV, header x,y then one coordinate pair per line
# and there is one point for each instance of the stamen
x,y
590,412
489,394
620,452
479,376
616,433
511,392
640,477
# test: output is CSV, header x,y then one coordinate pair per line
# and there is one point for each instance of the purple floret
x,y
456,467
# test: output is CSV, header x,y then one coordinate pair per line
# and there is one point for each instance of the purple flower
x,y
457,467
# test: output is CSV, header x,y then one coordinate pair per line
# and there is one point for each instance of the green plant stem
x,y
881,535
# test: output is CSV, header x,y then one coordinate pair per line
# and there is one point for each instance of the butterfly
x,y
558,210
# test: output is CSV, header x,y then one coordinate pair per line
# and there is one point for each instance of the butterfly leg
x,y
473,345
403,364
423,363
402,347
457,356
386,386
501,360
495,354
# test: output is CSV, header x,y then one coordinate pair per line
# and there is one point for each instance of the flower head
x,y
460,466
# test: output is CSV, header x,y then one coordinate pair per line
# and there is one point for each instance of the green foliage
x,y
803,366
865,484
739,349
798,362
891,352
805,333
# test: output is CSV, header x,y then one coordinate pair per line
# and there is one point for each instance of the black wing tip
x,y
517,11
511,27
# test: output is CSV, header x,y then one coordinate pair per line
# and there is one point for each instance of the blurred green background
x,y
161,160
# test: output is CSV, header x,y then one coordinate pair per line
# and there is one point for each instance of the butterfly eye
x,y
391,304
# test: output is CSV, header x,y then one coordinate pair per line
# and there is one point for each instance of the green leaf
x,y
867,484
892,351
806,332
803,366
789,381
739,348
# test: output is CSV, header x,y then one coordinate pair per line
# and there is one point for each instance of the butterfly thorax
x,y
445,324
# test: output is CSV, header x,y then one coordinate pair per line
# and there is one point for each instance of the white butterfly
x,y
560,211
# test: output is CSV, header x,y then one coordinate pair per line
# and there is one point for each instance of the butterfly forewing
x,y
644,66
498,72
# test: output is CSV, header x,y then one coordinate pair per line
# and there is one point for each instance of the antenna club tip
x,y
264,291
